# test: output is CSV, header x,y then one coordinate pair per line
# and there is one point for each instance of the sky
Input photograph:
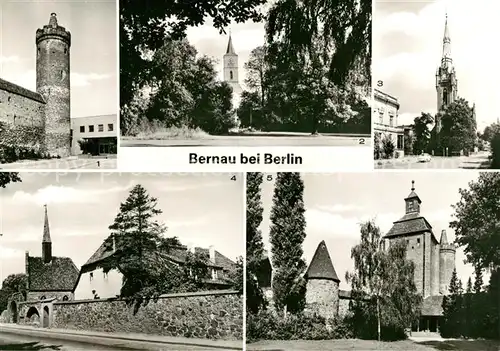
x,y
246,36
407,50
200,209
337,203
93,51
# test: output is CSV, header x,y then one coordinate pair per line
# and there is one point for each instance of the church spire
x,y
230,48
446,59
46,242
53,20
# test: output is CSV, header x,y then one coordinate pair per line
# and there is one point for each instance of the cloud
x,y
341,226
8,252
28,79
340,208
86,79
408,49
65,194
174,188
9,59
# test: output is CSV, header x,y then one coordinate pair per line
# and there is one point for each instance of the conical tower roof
x,y
446,60
321,266
413,194
46,230
230,48
444,238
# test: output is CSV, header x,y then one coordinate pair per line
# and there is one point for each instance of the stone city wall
x,y
21,118
213,315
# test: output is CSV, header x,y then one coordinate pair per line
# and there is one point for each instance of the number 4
x,y
233,178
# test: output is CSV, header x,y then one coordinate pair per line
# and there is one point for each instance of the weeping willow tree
x,y
336,33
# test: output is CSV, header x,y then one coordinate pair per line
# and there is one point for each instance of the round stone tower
x,y
52,82
446,263
322,294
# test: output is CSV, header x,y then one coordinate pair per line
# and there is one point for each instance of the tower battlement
x,y
53,31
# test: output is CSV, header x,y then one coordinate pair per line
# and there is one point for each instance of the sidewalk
x,y
130,340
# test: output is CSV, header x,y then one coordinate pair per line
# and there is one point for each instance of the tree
x,y
421,132
468,310
13,284
140,252
145,26
477,223
341,29
9,177
377,151
287,233
256,68
458,130
452,306
388,146
255,246
478,279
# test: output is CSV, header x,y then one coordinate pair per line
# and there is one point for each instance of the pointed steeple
x,y
444,239
446,60
53,20
46,241
321,266
230,48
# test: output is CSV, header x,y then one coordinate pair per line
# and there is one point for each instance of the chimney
x,y
211,253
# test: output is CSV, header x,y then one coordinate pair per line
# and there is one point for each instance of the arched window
x,y
42,297
65,298
445,97
231,75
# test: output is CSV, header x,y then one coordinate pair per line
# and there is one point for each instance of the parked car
x,y
424,158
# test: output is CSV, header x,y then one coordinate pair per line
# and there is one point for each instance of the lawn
x,y
354,344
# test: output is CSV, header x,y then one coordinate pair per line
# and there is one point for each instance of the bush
x,y
495,151
10,154
267,325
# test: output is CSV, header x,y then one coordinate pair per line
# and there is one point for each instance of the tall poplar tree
x,y
287,233
255,246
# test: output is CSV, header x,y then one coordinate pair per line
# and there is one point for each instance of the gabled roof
x,y
60,274
321,266
18,90
176,254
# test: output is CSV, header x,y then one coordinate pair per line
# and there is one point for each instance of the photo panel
x,y
58,84
144,261
324,251
433,107
246,76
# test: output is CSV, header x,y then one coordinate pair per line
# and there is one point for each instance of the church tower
x,y
230,61
46,242
52,82
446,80
446,263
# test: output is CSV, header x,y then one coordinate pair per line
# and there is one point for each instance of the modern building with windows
x,y
95,135
385,120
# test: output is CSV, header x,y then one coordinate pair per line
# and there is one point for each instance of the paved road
x,y
477,161
18,342
254,141
63,164
15,342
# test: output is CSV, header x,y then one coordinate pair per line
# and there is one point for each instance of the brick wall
x,y
59,295
23,118
213,314
322,297
343,306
